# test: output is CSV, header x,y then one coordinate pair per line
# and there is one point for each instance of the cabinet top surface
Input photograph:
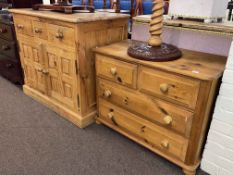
x,y
73,18
198,65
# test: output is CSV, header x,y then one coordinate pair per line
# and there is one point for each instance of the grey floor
x,y
36,141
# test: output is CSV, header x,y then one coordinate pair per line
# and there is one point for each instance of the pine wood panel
x,y
23,25
40,29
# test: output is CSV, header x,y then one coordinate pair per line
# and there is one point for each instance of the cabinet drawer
x,y
169,86
61,35
118,71
23,25
8,48
6,31
150,134
40,30
157,111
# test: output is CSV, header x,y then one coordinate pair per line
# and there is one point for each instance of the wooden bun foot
x,y
189,172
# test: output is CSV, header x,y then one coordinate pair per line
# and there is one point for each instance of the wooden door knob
x,y
39,69
165,144
59,35
37,30
110,115
113,71
107,93
167,120
45,71
20,26
164,87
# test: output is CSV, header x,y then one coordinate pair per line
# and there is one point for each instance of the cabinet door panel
x,y
62,76
33,64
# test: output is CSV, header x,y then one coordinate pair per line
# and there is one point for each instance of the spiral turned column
x,y
156,23
154,49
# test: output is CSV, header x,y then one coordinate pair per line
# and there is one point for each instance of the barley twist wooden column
x,y
156,23
155,49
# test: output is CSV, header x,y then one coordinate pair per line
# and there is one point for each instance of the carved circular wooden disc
x,y
142,51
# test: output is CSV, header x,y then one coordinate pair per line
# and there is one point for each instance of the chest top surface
x,y
72,18
197,65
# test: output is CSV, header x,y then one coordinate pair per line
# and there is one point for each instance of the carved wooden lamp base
x,y
165,52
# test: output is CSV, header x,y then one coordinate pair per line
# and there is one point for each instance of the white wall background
x,y
218,153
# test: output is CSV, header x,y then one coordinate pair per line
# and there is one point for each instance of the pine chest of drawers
x,y
164,106
57,58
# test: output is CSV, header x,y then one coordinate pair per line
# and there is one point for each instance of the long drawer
x,y
169,86
160,112
7,31
8,48
150,134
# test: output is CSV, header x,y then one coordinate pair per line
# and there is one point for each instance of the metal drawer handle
x,y
3,30
59,35
9,65
113,71
5,47
167,120
107,93
164,88
20,26
37,30
165,144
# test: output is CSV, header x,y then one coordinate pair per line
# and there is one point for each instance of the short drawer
x,y
40,30
169,86
8,48
150,134
6,31
23,25
61,35
163,113
118,71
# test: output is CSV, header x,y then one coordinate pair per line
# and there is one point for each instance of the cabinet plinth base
x,y
75,118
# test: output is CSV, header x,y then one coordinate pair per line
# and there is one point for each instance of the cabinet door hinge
x,y
76,66
78,101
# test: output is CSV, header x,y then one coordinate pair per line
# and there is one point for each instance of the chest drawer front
x,y
6,31
7,48
157,111
150,134
61,35
120,72
169,86
23,25
40,30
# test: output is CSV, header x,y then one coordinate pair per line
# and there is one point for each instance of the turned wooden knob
x,y
167,120
107,93
110,115
39,70
59,35
20,26
113,71
45,72
164,87
37,30
165,144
